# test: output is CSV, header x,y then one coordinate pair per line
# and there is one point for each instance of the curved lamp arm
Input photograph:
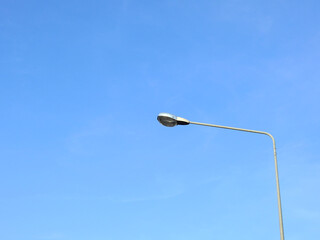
x,y
275,162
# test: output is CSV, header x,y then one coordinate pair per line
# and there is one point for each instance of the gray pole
x,y
275,162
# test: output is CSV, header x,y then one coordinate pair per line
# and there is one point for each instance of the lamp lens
x,y
167,119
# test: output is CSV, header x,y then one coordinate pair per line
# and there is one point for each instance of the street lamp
x,y
170,120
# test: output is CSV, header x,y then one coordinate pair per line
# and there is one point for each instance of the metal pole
x,y
275,162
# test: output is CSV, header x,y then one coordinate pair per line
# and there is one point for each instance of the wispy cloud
x,y
96,129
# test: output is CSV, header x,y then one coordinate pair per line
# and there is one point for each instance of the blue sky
x,y
83,157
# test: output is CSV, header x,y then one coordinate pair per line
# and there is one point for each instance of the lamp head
x,y
170,120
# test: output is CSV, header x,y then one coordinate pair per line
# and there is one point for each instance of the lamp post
x,y
170,120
